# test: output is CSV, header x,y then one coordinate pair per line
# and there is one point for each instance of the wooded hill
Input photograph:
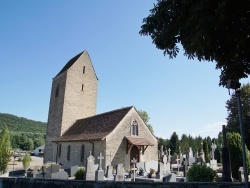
x,y
21,125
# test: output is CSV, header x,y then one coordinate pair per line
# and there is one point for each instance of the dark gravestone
x,y
226,172
17,173
173,160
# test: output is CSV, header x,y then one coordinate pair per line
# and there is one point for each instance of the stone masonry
x,y
73,96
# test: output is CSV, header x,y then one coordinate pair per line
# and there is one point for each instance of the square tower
x,y
73,97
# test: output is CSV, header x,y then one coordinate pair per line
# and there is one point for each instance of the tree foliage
x,y
5,149
174,144
25,134
201,173
26,161
206,151
233,124
184,144
235,149
207,30
145,118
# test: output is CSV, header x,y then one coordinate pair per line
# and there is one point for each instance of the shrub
x,y
26,161
201,173
80,174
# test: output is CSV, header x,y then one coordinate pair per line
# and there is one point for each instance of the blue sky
x,y
37,38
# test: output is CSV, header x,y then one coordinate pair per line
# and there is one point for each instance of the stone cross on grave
x,y
213,147
169,156
177,160
90,153
134,169
100,158
162,152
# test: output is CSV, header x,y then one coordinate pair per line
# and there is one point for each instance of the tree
x,y
5,149
235,149
145,118
207,30
174,144
184,144
206,151
233,124
26,161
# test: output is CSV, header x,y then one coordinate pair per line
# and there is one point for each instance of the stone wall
x,y
49,183
55,116
73,96
75,153
117,143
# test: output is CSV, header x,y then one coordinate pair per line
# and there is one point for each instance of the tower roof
x,y
73,60
70,63
95,127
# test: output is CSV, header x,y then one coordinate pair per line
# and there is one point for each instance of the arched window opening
x,y
134,128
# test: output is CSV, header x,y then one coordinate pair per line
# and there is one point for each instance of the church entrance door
x,y
134,153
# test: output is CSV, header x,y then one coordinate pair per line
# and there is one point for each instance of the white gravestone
x,y
119,172
90,171
99,175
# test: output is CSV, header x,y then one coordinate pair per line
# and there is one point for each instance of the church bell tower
x,y
73,96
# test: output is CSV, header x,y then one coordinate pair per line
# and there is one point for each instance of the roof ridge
x,y
109,112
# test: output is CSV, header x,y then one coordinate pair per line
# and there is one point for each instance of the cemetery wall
x,y
45,183
75,153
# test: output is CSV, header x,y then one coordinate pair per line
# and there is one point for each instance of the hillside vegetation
x,y
21,125
25,134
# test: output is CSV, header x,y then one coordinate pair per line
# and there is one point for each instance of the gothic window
x,y
68,153
57,90
82,153
134,128
59,150
83,69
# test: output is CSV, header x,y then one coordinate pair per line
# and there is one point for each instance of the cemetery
x,y
170,171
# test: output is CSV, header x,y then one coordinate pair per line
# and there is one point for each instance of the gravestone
x,y
165,164
191,160
213,162
151,164
169,156
171,177
119,172
54,168
90,170
133,161
73,170
173,160
241,174
109,172
168,167
190,153
99,174
60,175
140,165
160,173
43,175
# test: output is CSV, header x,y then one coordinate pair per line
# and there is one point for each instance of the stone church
x,y
74,130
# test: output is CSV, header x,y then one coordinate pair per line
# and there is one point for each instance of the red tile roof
x,y
139,141
95,127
